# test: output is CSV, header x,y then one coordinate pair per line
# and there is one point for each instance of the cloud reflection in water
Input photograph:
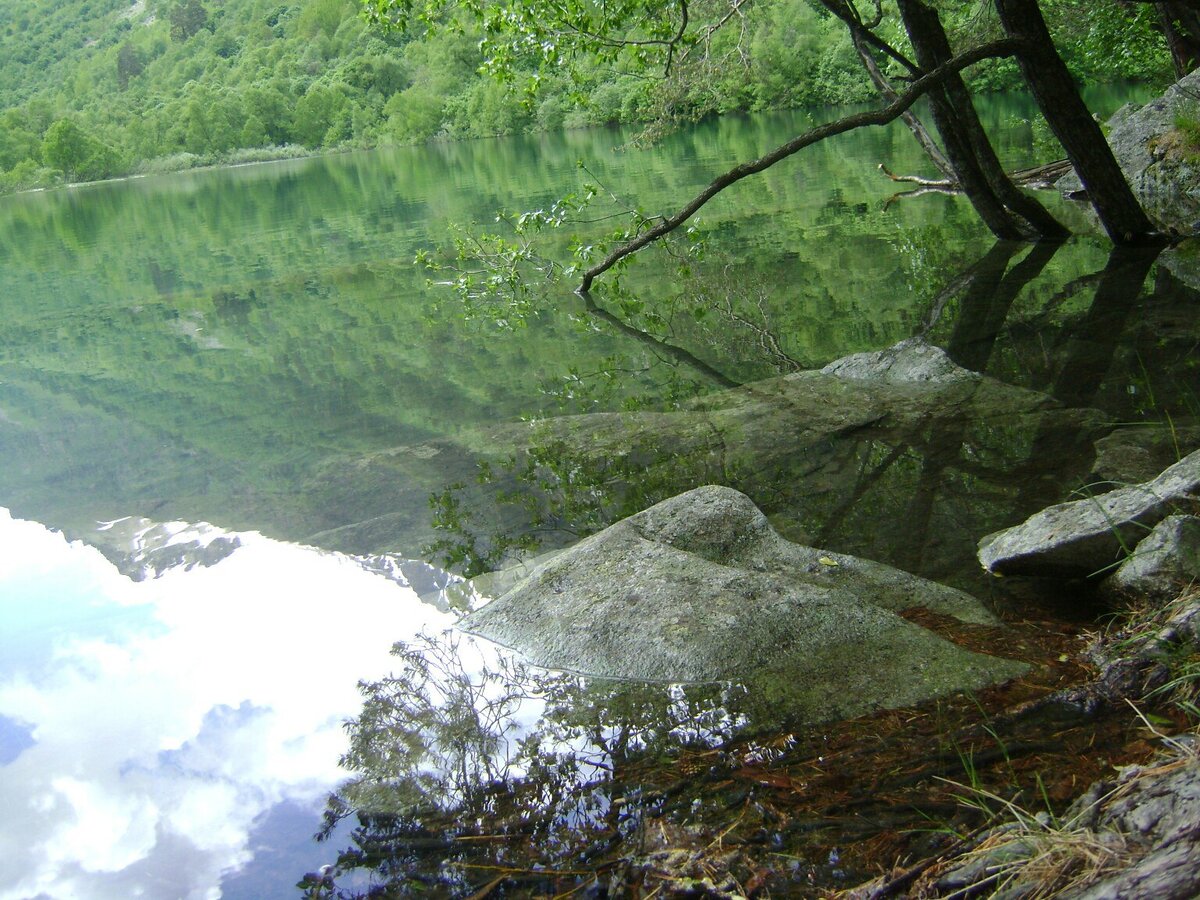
x,y
162,718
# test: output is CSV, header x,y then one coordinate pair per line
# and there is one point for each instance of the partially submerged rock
x,y
1087,537
701,588
911,361
898,455
1165,562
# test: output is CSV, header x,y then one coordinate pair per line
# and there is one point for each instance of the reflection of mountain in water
x,y
140,549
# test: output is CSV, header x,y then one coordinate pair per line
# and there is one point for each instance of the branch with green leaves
x,y
882,116
550,35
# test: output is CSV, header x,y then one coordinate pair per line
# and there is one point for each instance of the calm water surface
x,y
227,397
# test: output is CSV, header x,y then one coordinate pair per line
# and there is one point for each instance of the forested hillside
x,y
96,88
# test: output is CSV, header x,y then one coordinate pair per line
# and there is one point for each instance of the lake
x,y
242,435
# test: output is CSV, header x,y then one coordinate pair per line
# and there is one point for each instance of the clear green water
x,y
253,348
229,345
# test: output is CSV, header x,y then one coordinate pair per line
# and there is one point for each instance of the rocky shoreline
x,y
1133,833
700,587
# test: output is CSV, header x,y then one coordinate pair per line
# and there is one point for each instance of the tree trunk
x,y
1072,123
967,144
1181,27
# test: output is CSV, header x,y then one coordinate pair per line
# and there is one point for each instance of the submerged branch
x,y
677,353
882,116
919,132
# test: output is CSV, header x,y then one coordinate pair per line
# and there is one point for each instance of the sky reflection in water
x,y
146,727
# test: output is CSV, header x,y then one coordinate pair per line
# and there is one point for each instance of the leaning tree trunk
x,y
914,125
1181,28
967,144
1071,121
918,20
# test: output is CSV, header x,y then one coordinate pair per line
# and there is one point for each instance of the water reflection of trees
x,y
916,490
467,763
452,793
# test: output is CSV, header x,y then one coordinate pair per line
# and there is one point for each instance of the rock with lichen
x,y
701,588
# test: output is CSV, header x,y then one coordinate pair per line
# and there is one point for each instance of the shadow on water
x,y
476,775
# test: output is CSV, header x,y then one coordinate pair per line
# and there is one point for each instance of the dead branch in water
x,y
1042,176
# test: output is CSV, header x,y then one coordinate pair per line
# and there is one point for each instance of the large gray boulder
x,y
1157,157
701,588
1089,536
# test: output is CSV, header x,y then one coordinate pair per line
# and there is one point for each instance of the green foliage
x,y
187,18
1108,40
322,18
130,64
207,78
1187,130
79,155
319,116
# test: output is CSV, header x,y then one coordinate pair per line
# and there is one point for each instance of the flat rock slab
x,y
701,588
1089,536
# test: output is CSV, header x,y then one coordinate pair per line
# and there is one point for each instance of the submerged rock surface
x,y
701,588
899,455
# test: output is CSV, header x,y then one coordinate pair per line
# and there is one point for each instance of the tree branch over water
x,y
881,116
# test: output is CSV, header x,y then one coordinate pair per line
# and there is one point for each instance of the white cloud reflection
x,y
168,715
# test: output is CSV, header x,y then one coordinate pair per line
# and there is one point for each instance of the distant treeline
x,y
92,89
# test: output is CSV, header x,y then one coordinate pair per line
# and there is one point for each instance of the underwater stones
x,y
1086,537
701,588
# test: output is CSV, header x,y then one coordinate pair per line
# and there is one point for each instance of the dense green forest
x,y
92,89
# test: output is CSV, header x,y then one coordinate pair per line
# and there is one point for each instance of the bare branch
x,y
705,35
942,183
887,92
882,116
